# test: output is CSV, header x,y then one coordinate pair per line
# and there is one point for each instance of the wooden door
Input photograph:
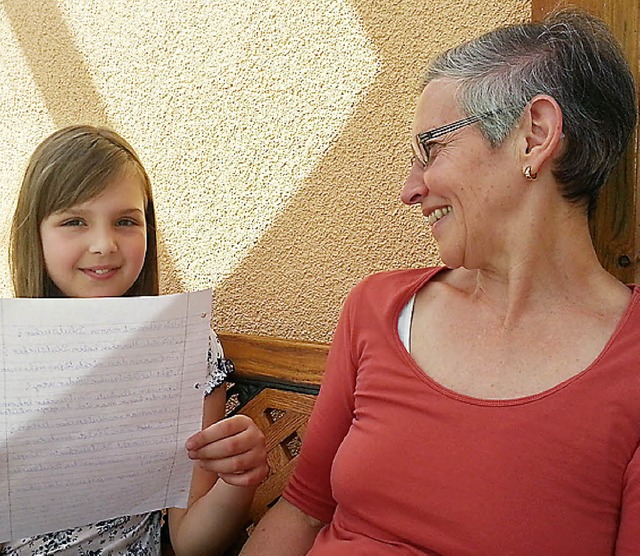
x,y
615,226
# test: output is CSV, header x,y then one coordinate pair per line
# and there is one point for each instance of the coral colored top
x,y
398,464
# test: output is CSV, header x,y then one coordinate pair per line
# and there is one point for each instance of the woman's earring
x,y
528,173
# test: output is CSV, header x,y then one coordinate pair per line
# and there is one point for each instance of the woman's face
x,y
464,192
97,248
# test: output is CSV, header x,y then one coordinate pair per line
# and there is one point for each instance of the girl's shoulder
x,y
218,366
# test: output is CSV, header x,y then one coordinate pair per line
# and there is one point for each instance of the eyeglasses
x,y
421,143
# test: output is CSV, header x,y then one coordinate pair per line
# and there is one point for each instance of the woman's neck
x,y
548,265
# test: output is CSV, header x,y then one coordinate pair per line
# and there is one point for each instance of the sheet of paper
x,y
97,398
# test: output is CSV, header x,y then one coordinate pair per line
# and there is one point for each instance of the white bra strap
x,y
404,324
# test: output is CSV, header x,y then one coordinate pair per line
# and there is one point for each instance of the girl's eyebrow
x,y
78,210
133,210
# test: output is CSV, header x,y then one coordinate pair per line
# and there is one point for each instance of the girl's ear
x,y
541,130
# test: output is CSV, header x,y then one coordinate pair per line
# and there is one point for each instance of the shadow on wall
x,y
63,78
57,67
347,220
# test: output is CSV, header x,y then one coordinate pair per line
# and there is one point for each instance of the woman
x,y
491,406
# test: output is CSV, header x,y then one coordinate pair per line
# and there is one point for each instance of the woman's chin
x,y
451,258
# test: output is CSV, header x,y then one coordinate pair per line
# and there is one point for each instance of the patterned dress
x,y
135,535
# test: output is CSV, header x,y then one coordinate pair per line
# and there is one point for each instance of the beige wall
x,y
275,133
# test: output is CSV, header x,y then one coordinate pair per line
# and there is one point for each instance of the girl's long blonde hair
x,y
72,166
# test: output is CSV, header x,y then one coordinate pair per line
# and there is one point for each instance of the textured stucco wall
x,y
275,133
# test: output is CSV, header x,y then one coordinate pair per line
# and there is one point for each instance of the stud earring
x,y
528,173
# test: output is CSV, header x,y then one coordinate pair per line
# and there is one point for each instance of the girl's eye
x,y
72,222
127,222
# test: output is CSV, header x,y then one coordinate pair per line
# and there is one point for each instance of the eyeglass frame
x,y
421,154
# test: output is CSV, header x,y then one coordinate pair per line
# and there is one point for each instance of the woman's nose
x,y
414,190
103,241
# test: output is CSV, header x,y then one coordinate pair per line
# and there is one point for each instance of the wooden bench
x,y
275,383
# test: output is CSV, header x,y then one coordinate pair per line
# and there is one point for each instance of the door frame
x,y
615,224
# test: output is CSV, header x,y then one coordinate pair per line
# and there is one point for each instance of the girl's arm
x,y
284,530
234,450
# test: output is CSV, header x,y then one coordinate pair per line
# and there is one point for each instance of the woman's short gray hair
x,y
570,56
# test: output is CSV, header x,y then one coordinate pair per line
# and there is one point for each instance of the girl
x,y
84,226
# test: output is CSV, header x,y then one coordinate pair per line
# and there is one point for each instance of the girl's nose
x,y
414,190
103,242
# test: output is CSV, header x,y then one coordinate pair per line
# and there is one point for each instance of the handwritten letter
x,y
97,398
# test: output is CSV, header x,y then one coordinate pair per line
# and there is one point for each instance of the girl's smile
x,y
97,248
100,273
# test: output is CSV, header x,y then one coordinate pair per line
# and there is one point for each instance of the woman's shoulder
x,y
629,325
394,280
383,293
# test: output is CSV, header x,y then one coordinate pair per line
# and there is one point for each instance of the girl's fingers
x,y
234,449
251,478
245,469
226,428
240,443
240,463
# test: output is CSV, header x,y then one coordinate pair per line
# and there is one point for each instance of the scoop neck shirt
x,y
398,464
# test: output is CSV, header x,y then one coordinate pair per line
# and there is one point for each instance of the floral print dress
x,y
135,535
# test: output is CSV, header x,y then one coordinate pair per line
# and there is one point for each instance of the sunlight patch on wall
x,y
230,105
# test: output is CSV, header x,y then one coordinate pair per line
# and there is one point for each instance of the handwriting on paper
x,y
97,399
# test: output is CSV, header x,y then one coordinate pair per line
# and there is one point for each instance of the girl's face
x,y
97,248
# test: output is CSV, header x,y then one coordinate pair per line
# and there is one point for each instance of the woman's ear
x,y
541,133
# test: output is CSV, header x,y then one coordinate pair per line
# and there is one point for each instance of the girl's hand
x,y
233,448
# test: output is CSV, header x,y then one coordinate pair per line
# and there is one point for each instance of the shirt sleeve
x,y
218,367
629,531
309,487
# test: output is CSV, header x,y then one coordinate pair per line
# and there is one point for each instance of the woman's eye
x,y
431,149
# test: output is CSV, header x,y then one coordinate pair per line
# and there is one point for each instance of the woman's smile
x,y
436,214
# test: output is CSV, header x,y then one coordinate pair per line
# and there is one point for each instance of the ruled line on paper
x,y
96,391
